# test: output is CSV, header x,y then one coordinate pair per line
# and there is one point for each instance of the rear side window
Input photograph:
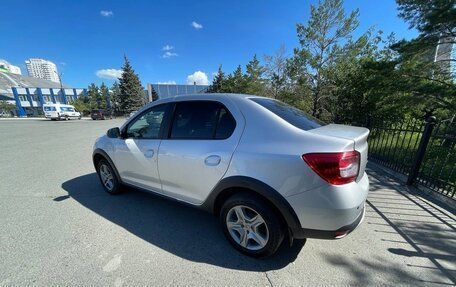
x,y
202,120
290,114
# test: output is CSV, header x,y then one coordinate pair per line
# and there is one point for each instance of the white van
x,y
60,111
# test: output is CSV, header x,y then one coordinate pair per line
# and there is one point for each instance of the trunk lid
x,y
357,134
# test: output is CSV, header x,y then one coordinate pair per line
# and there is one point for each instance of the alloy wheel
x,y
106,177
247,227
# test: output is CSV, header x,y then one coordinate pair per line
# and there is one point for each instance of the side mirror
x,y
113,133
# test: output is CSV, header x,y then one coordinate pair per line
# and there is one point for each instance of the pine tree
x,y
154,94
325,38
115,98
131,91
237,82
93,94
104,101
217,82
254,77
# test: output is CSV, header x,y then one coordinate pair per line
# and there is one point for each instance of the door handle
x,y
212,160
149,153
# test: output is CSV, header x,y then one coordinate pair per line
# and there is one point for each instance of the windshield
x,y
291,114
66,109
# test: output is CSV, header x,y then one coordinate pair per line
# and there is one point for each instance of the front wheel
x,y
108,178
251,225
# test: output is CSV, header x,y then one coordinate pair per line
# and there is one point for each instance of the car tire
x,y
108,177
66,118
251,225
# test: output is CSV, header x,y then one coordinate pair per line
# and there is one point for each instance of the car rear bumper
x,y
301,233
330,209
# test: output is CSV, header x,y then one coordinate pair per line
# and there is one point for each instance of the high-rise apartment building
x,y
42,69
445,55
7,67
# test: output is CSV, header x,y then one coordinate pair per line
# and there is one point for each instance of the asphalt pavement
x,y
58,227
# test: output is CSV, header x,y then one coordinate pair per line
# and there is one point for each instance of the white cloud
x,y
167,48
169,54
105,13
199,77
110,74
196,25
167,83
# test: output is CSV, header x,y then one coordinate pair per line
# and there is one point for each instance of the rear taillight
x,y
335,168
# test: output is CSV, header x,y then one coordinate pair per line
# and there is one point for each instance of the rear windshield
x,y
291,114
48,109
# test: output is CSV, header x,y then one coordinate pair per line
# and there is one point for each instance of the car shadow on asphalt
x,y
182,230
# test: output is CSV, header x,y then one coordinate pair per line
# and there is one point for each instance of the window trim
x,y
172,114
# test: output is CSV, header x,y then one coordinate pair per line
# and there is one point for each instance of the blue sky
x,y
166,41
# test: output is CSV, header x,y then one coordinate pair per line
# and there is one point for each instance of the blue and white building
x,y
29,94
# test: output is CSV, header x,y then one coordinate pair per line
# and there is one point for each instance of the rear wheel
x,y
108,177
66,118
251,225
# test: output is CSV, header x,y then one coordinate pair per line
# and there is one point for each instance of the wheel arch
x,y
99,154
235,184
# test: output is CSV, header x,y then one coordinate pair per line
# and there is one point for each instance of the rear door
x,y
135,154
195,155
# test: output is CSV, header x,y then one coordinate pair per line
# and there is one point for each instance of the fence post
x,y
430,123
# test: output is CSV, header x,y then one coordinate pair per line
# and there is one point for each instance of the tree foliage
x,y
276,72
218,82
6,107
340,78
255,82
115,98
132,95
321,45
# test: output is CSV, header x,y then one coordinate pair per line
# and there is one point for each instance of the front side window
x,y
201,120
148,124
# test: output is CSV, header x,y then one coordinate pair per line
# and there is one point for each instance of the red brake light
x,y
335,168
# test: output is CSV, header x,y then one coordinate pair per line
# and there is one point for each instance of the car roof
x,y
205,96
215,95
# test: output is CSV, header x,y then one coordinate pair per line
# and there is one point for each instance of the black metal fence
x,y
424,150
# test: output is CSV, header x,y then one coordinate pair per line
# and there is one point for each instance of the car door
x,y
136,153
196,153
